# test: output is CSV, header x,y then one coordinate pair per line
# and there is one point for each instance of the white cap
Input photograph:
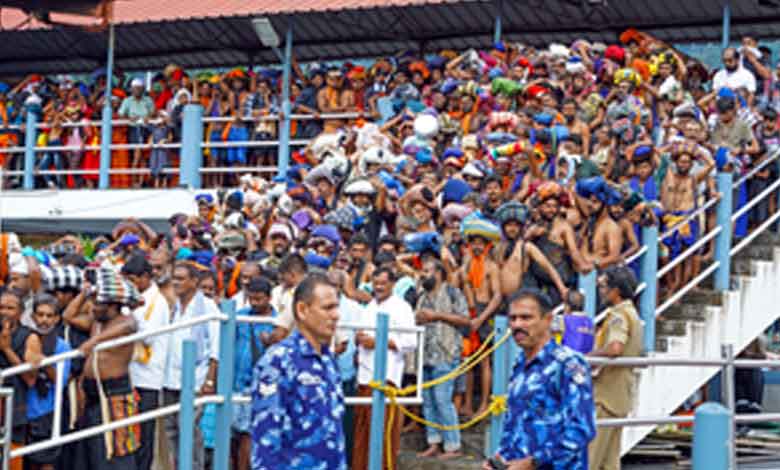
x,y
18,264
136,82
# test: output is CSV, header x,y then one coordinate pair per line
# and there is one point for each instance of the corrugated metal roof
x,y
143,11
339,29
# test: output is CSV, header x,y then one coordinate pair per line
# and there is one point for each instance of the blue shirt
x,y
551,415
297,406
245,362
39,405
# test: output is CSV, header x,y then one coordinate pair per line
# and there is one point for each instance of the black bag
x,y
39,429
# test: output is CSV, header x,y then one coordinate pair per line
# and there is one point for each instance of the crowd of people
x,y
464,178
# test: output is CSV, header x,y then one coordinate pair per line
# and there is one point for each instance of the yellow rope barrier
x,y
496,407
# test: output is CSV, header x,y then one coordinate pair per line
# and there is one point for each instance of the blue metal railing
x,y
191,147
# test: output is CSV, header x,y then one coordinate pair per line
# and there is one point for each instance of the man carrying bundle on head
x,y
106,384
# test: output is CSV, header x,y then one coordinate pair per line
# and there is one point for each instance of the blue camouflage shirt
x,y
297,406
551,415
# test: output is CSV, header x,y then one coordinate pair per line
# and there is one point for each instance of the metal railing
x,y
191,146
224,395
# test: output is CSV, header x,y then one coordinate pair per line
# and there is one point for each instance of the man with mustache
x,y
550,417
401,315
619,335
555,238
106,377
603,240
679,198
733,75
297,401
40,401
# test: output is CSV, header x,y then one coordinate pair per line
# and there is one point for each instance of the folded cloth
x,y
61,278
475,225
112,288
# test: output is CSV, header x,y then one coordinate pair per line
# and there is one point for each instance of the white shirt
x,y
281,301
740,78
147,369
241,301
401,315
206,336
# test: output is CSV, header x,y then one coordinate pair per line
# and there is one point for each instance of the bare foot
x,y
411,427
429,452
482,408
450,455
469,413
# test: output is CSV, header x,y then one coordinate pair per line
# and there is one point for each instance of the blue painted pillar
x,y
191,157
105,122
723,240
726,25
648,269
225,372
501,365
284,132
711,437
30,136
587,284
497,26
187,403
378,397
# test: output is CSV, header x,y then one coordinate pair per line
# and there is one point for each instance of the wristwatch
x,y
209,383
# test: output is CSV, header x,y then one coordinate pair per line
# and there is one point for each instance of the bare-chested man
x,y
515,255
332,99
679,199
602,242
482,286
106,378
554,236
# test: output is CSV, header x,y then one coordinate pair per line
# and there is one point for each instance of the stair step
x,y
757,251
686,312
671,327
408,460
742,266
768,237
661,344
703,297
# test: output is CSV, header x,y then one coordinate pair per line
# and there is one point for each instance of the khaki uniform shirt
x,y
614,387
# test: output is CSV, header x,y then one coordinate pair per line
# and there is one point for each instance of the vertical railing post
x,y
497,25
726,33
284,132
187,405
378,397
648,270
105,122
728,396
225,372
30,137
60,385
191,156
711,437
723,240
502,362
8,431
587,285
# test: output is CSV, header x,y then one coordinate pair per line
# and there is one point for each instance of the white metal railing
x,y
207,119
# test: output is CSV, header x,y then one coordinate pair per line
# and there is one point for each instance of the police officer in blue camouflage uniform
x,y
551,416
297,401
